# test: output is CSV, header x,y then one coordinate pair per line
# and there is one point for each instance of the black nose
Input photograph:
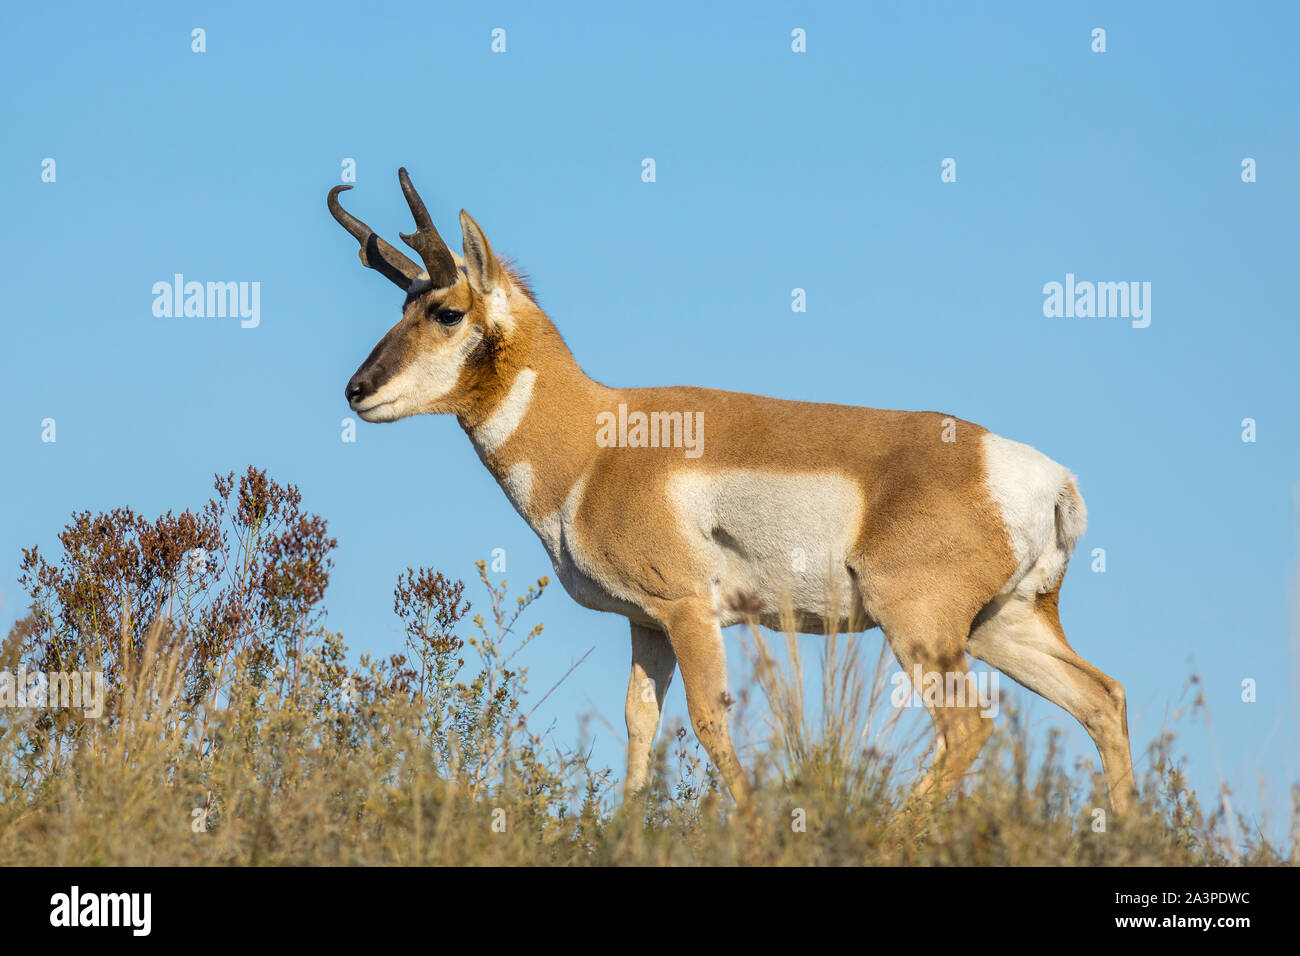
x,y
358,388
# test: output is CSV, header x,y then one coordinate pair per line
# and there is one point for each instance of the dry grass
x,y
235,732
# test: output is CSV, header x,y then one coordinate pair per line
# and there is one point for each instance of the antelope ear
x,y
485,273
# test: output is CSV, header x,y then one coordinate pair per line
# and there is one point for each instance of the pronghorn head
x,y
458,315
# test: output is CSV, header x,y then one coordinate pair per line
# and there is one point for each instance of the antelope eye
x,y
448,317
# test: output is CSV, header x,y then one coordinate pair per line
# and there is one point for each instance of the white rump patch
x,y
1027,485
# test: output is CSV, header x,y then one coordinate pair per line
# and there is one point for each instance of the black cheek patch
x,y
478,354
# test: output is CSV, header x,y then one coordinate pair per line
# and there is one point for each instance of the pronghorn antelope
x,y
951,539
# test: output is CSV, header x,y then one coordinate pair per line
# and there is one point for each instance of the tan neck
x,y
538,420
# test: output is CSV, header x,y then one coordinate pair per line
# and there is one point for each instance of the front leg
x,y
697,641
653,663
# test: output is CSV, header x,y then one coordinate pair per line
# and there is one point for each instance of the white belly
x,y
780,539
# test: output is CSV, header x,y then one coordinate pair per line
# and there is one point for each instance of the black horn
x,y
375,252
438,260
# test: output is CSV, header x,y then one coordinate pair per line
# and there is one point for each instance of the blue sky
x,y
775,170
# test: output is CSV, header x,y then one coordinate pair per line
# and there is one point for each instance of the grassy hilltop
x,y
235,731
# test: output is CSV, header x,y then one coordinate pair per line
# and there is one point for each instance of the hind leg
x,y
1024,639
929,642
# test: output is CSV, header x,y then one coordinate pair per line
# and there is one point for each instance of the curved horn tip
x,y
332,200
